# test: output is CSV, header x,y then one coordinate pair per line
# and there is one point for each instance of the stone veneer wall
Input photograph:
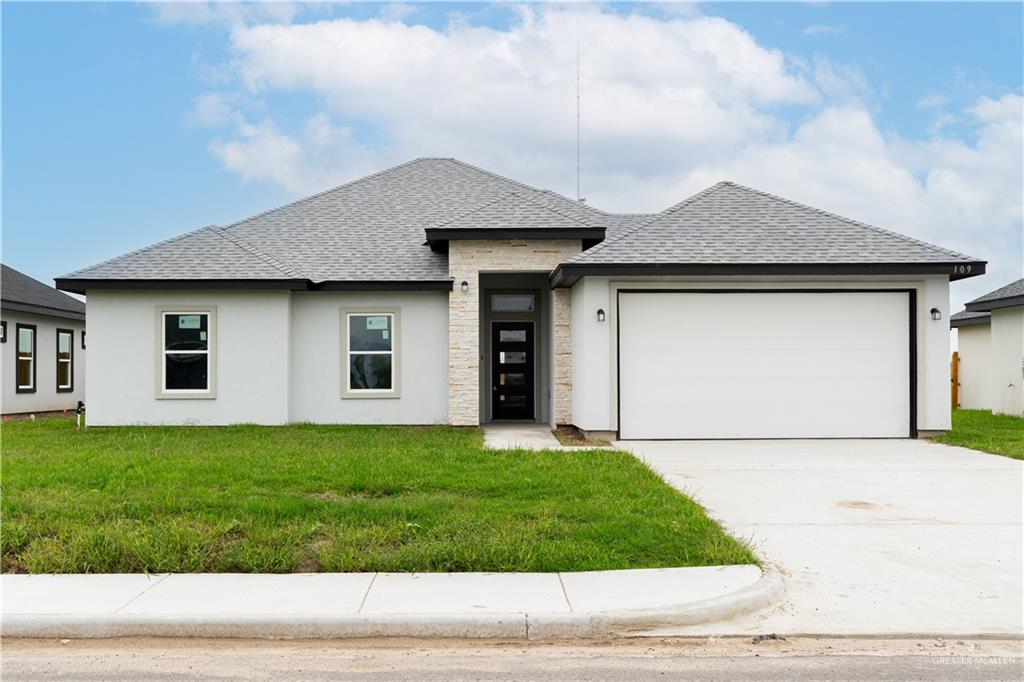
x,y
466,260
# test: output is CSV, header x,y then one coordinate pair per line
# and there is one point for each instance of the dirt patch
x,y
570,435
856,504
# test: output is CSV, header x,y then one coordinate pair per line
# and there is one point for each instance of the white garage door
x,y
764,365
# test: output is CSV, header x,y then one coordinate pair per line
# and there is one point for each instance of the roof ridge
x,y
852,221
270,260
336,188
633,230
169,240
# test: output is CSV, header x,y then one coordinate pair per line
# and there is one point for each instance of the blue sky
x,y
124,124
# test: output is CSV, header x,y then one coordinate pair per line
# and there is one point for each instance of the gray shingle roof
x,y
1003,297
373,229
516,211
966,317
18,291
729,223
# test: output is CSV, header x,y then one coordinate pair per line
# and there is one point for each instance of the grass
x,y
1000,434
333,498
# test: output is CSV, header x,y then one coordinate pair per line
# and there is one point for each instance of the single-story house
x,y
438,292
990,346
42,337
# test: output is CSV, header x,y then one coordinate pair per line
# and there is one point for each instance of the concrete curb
x,y
764,592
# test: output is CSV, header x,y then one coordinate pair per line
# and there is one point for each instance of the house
x,y
438,292
990,345
42,337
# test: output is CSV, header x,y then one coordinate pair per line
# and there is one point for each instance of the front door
x,y
512,370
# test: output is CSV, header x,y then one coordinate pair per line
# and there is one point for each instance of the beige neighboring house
x,y
42,340
439,292
990,343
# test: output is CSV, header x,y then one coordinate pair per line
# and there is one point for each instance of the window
x,y
83,339
65,361
26,358
186,361
370,362
512,303
3,331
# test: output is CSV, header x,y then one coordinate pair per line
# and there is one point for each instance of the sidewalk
x,y
505,605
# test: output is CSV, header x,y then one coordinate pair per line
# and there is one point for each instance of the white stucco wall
x,y
1007,370
974,345
45,398
316,359
252,340
594,343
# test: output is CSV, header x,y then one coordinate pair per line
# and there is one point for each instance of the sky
x,y
124,124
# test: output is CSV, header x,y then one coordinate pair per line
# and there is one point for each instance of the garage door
x,y
764,365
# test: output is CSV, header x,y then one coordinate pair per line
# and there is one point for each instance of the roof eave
x,y
438,237
969,322
36,309
994,304
567,274
80,286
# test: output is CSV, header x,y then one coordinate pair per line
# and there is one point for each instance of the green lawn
x,y
1000,434
333,498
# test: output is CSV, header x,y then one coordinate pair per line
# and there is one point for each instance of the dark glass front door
x,y
512,370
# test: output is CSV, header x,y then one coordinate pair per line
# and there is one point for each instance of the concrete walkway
x,y
871,536
379,604
521,436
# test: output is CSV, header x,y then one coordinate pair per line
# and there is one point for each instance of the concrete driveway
x,y
872,536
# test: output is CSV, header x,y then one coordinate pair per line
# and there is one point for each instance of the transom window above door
x,y
512,303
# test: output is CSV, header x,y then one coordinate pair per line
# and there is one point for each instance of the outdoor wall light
x,y
465,287
600,314
936,314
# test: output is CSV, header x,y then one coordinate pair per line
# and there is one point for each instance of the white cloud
x,y
932,100
670,105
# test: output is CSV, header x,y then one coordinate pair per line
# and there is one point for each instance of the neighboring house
x,y
43,344
990,344
437,292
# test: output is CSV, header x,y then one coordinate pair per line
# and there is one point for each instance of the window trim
x,y
3,331
83,339
70,388
18,388
210,392
348,393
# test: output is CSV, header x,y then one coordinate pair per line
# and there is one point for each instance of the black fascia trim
x,y
970,321
994,304
42,310
79,286
438,237
567,274
390,285
912,301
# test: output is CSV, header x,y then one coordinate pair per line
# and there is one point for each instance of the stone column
x,y
464,347
561,372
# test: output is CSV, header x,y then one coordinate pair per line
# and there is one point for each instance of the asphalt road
x,y
426,661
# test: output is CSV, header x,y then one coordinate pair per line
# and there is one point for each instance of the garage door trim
x,y
912,351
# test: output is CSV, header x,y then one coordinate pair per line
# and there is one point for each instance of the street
x,y
604,661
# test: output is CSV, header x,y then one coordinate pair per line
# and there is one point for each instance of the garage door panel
x,y
700,365
785,366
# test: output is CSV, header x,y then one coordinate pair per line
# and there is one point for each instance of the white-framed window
x,y
65,360
370,357
186,367
25,358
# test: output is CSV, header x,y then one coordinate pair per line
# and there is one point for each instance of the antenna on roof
x,y
578,197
